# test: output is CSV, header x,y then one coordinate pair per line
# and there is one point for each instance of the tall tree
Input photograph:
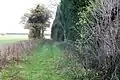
x,y
69,18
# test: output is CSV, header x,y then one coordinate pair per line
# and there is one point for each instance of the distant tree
x,y
37,21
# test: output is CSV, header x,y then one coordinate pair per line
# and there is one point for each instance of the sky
x,y
11,12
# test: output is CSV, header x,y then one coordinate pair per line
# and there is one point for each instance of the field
x,y
6,39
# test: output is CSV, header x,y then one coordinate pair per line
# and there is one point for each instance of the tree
x,y
70,19
37,21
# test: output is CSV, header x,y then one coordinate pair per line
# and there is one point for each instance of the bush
x,y
71,65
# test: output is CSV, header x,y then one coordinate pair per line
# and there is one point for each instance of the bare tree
x,y
103,42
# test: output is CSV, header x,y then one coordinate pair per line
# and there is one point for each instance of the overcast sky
x,y
12,10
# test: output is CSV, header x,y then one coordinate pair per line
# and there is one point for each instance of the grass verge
x,y
40,66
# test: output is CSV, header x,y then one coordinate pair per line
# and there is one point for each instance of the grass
x,y
46,63
40,66
6,39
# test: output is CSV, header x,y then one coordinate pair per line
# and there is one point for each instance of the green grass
x,y
40,66
47,63
6,39
9,41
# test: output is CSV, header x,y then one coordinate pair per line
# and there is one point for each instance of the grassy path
x,y
40,66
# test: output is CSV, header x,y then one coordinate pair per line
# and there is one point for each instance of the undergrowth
x,y
48,63
73,70
40,66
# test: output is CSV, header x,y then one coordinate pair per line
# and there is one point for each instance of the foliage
x,y
69,19
37,21
102,46
57,31
70,65
99,45
96,26
40,66
16,51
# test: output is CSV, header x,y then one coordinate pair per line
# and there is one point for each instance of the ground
x,y
42,65
5,39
